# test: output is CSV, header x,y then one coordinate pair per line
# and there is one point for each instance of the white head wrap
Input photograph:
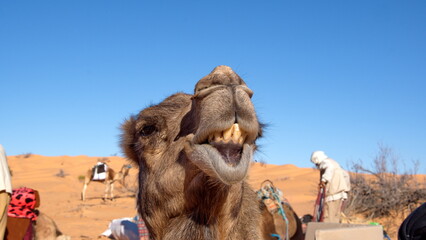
x,y
318,156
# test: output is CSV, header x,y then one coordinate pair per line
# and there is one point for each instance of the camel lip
x,y
227,143
212,162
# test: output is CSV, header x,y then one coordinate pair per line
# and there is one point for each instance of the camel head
x,y
193,153
214,129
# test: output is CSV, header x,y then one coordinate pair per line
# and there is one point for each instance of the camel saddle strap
x,y
292,223
279,208
281,226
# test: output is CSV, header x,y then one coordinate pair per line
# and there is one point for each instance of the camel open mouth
x,y
229,143
224,155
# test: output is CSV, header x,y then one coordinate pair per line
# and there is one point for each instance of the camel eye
x,y
148,130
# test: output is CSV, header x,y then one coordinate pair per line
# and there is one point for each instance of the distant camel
x,y
111,177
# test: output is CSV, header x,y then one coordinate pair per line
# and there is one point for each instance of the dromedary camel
x,y
46,229
111,178
278,218
194,152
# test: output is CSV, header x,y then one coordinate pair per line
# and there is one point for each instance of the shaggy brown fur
x,y
46,229
275,224
193,153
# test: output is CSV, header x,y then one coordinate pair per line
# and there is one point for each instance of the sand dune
x,y
60,195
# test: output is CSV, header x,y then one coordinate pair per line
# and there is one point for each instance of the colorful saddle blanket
x,y
23,203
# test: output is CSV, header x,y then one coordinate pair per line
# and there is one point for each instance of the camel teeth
x,y
228,133
233,134
217,136
236,134
242,139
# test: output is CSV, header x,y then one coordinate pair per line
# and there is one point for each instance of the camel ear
x,y
128,140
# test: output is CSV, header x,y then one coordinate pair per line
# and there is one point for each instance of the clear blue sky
x,y
338,76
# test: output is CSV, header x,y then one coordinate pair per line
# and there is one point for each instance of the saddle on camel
x,y
102,173
25,222
99,171
22,213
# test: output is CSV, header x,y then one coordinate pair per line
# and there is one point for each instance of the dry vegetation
x,y
25,155
61,173
383,192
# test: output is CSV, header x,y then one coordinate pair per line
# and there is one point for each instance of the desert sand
x,y
59,181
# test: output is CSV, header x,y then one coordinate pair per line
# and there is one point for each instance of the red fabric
x,y
17,228
23,203
30,232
